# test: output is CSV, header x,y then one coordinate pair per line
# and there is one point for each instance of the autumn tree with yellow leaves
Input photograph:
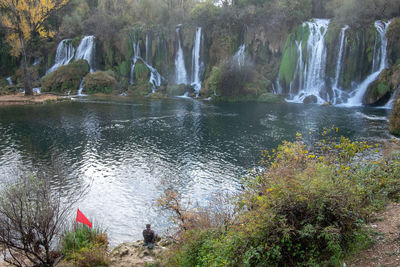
x,y
23,20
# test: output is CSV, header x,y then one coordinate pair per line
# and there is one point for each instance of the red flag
x,y
80,217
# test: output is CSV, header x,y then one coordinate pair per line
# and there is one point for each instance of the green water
x,y
129,151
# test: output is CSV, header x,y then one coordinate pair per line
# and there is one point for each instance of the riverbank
x,y
22,99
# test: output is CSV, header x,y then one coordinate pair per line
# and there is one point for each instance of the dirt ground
x,y
21,99
386,249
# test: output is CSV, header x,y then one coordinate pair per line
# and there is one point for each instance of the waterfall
x,y
277,88
389,104
155,76
81,87
299,70
64,54
337,92
136,55
239,56
180,69
86,50
196,79
10,82
379,64
148,59
311,74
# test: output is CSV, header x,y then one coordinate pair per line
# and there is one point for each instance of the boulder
x,y
176,90
135,254
380,91
311,99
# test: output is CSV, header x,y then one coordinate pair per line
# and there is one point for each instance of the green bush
x,y
303,209
230,79
394,122
66,78
100,82
85,246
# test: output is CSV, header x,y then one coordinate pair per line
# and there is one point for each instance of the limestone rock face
x,y
135,254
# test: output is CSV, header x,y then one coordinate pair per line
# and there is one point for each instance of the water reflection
x,y
123,150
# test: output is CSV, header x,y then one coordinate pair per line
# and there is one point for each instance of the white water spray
x,y
312,75
180,69
240,56
86,50
196,79
379,64
155,76
337,92
10,82
64,54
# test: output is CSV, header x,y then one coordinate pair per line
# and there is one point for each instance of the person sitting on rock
x,y
149,237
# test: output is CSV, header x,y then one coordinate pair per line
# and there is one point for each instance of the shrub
x,y
66,78
394,122
85,246
300,208
230,79
32,216
100,82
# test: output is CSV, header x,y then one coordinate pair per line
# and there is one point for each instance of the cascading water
x,y
299,70
136,55
389,104
196,75
337,92
148,58
81,88
240,56
86,50
65,53
180,69
379,64
311,75
155,76
9,80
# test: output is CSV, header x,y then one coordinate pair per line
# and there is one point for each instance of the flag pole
x,y
74,244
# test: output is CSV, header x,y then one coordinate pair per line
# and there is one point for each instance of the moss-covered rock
x,y
380,91
100,82
142,77
270,98
66,78
393,36
176,90
290,55
394,123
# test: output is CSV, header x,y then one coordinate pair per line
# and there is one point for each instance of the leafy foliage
x,y
32,217
66,78
394,123
100,82
302,208
23,20
85,246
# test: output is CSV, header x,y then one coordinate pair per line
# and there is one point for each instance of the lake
x,y
129,151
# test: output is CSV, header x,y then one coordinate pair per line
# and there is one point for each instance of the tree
x,y
23,20
32,216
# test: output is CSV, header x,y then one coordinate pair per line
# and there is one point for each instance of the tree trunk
x,y
27,74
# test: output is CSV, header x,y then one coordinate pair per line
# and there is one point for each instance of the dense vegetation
x,y
262,24
307,206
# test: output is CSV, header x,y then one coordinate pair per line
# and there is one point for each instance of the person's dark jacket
x,y
149,236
